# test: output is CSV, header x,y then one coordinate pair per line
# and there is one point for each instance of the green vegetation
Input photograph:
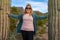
x,y
13,22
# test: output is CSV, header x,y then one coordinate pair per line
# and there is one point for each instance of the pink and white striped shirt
x,y
27,23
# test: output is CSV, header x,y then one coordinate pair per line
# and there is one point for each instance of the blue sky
x,y
40,5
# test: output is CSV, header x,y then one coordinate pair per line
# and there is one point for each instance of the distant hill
x,y
37,12
19,8
40,14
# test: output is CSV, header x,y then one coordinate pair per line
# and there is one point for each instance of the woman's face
x,y
28,9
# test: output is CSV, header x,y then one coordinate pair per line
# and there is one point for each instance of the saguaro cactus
x,y
54,19
4,21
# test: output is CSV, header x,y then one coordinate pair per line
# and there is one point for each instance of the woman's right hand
x,y
7,14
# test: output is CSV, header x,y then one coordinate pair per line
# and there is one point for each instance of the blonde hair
x,y
31,9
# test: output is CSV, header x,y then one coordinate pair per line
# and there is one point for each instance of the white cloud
x,y
40,6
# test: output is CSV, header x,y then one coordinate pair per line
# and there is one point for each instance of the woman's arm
x,y
41,17
13,16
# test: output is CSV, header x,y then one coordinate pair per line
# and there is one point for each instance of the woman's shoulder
x,y
34,14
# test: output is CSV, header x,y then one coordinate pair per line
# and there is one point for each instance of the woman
x,y
27,22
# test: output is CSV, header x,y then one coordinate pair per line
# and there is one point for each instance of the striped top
x,y
27,23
